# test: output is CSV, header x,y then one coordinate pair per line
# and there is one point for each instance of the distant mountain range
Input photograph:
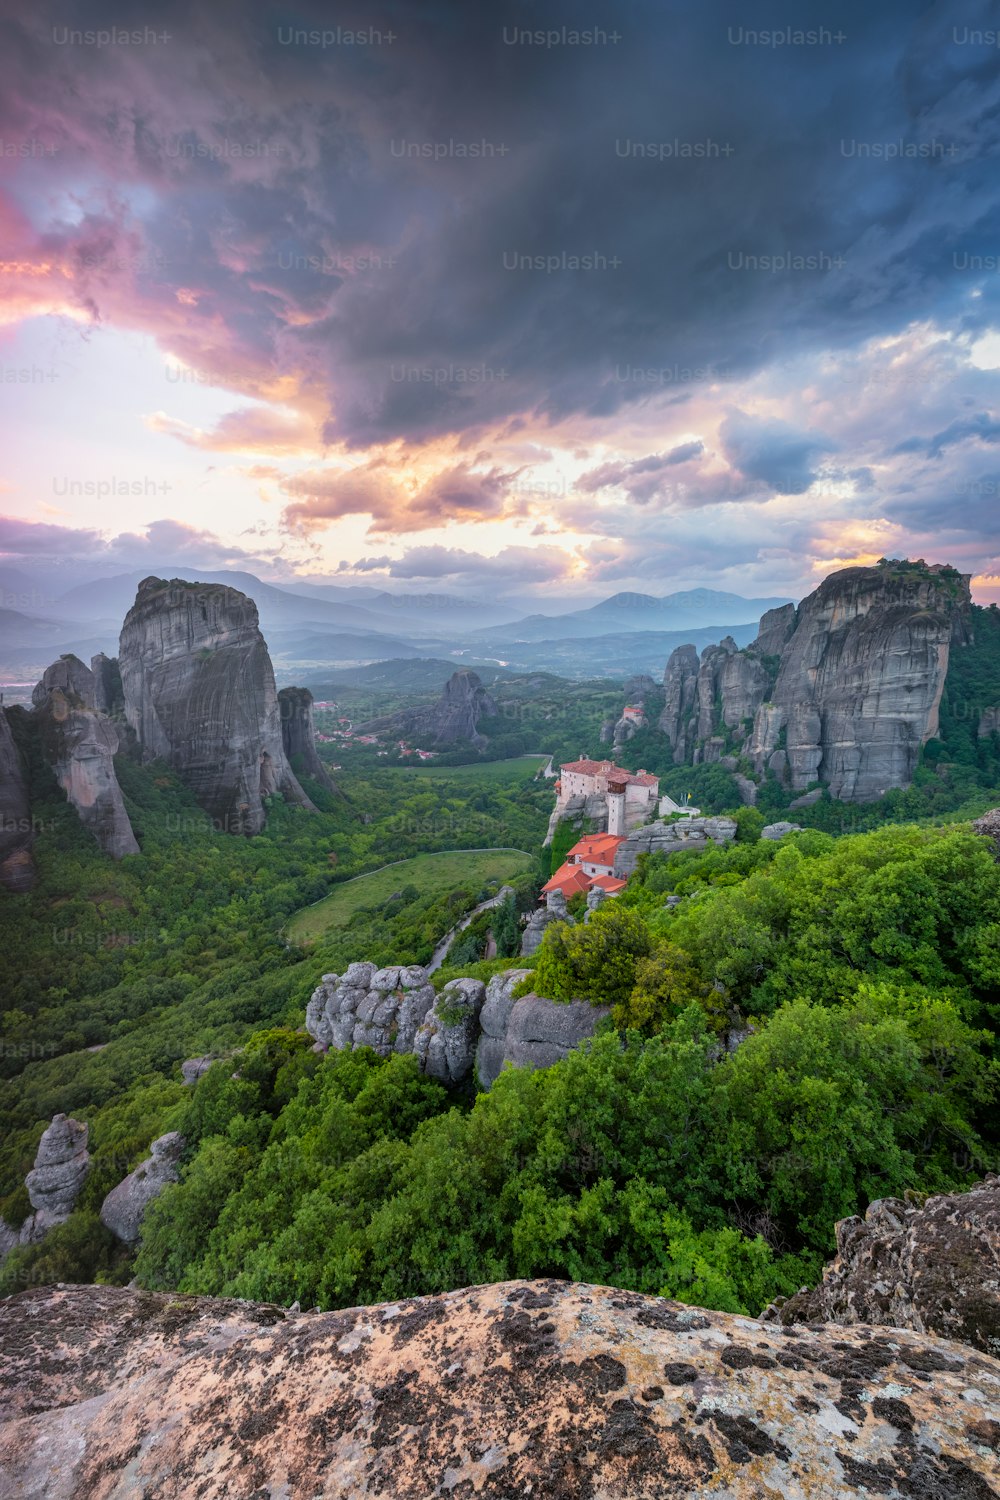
x,y
312,626
691,609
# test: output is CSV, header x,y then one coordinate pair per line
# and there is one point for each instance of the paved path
x,y
441,951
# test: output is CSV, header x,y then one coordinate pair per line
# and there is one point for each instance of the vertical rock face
x,y
861,665
80,745
680,684
199,693
861,678
17,868
776,627
530,1032
107,683
298,736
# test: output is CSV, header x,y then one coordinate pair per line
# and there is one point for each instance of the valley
x,y
778,1012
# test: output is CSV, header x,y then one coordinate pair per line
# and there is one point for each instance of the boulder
x,y
933,1266
531,1032
808,799
542,1389
61,1164
779,830
125,1206
988,826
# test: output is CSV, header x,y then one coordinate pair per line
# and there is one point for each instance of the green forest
x,y
788,1031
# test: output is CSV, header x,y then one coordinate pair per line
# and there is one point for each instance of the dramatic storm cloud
x,y
680,294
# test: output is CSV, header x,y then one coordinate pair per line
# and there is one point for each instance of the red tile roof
x,y
597,849
569,879
610,883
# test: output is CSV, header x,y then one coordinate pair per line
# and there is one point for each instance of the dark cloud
x,y
772,451
643,479
676,198
983,427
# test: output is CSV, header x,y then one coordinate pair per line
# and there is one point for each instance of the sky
x,y
535,298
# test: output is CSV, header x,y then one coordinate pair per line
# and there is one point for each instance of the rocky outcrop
x,y
989,723
596,898
192,1068
370,1007
776,629
777,831
932,1266
107,683
467,1024
298,735
531,1032
452,720
633,717
17,831
988,827
199,693
61,1163
545,1388
861,678
80,744
672,838
445,1044
680,685
861,666
541,919
125,1206
396,1010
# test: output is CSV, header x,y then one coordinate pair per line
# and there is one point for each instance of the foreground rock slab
x,y
541,1389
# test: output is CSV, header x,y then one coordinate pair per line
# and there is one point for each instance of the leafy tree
x,y
595,961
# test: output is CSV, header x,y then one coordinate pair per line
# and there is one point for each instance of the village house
x,y
590,862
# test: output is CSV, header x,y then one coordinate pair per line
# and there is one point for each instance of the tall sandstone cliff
x,y
843,690
80,744
298,735
199,693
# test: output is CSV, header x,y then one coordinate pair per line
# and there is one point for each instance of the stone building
x,y
631,798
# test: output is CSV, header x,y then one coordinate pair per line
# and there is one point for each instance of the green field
x,y
518,768
431,873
